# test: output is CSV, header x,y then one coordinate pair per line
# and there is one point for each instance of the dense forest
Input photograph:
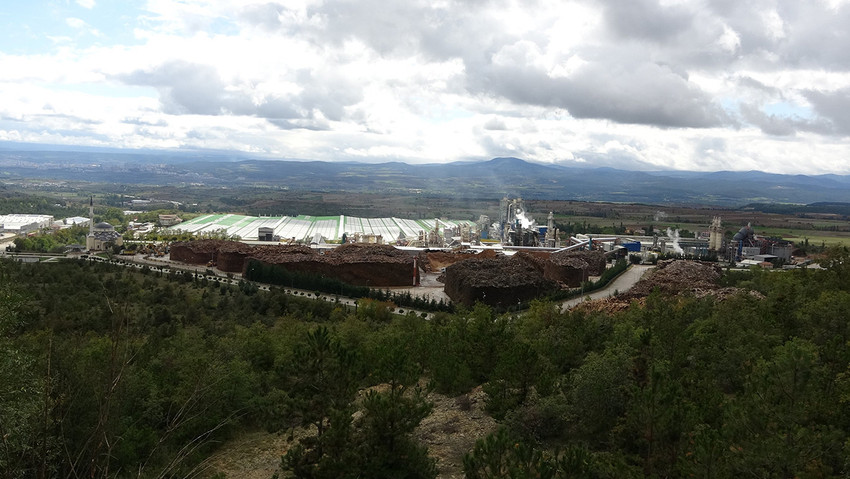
x,y
108,372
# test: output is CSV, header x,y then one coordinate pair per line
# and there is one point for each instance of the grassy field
x,y
815,237
819,230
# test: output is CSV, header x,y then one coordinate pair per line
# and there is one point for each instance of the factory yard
x,y
429,288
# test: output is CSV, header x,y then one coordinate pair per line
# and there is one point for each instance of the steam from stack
x,y
674,236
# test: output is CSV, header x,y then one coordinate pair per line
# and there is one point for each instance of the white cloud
x,y
638,83
75,23
81,25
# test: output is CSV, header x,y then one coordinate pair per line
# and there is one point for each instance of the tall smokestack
x,y
91,214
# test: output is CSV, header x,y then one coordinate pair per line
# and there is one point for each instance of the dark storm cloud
x,y
190,88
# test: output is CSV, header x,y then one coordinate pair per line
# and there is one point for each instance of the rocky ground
x,y
449,432
452,429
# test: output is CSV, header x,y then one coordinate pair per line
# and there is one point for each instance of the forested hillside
x,y
107,372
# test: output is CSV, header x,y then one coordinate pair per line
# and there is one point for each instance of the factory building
x,y
517,228
24,224
303,229
169,220
265,233
746,245
715,235
72,221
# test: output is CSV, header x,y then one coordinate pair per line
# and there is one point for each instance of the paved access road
x,y
621,284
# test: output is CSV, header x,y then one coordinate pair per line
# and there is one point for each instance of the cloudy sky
x,y
638,84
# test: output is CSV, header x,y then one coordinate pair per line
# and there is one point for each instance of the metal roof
x,y
305,227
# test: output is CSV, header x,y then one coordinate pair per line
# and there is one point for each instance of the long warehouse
x,y
302,228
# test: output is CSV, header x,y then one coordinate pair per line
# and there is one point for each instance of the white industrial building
x,y
24,224
72,221
305,228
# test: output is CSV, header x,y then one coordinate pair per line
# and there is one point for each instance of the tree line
x,y
108,372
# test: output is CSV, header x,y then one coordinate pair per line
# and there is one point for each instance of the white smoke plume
x,y
674,236
660,215
524,220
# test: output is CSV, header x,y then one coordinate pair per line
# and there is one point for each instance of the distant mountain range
x,y
485,179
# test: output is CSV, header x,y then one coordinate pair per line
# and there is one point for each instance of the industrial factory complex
x,y
512,231
501,262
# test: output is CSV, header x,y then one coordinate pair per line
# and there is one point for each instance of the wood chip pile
x,y
358,264
595,260
280,254
434,261
501,281
196,252
367,253
677,276
672,277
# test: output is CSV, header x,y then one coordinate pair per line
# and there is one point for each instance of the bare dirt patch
x,y
449,432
